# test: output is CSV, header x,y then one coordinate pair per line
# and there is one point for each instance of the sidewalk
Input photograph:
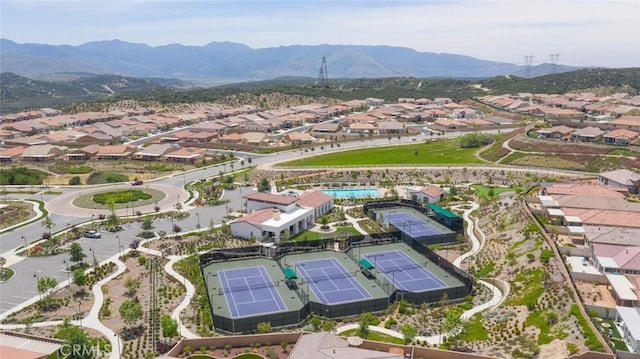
x,y
91,320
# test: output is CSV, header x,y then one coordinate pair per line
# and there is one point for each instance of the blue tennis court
x,y
404,272
330,281
250,291
411,225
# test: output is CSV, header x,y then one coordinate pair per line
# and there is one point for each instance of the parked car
x,y
137,183
92,234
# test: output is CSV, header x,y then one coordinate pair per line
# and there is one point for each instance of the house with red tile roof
x,y
359,118
42,153
117,152
587,134
426,194
200,137
11,154
620,137
297,137
557,113
626,122
153,152
326,129
561,132
276,216
362,128
446,124
231,138
185,154
391,128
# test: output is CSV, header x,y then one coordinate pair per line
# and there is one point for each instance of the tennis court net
x,y
247,287
398,268
317,278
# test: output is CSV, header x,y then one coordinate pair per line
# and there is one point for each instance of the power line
x,y
323,78
528,59
553,58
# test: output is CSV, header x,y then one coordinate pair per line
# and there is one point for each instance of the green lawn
x,y
549,330
380,337
484,191
617,339
527,289
340,232
475,330
439,152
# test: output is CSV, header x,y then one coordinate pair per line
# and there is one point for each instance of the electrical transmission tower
x,y
553,58
528,59
323,78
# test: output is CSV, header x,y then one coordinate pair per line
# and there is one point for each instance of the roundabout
x,y
124,198
83,202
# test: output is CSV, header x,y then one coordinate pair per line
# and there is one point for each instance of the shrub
x,y
187,349
75,180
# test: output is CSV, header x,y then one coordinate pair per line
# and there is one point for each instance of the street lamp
x,y
80,315
25,240
119,246
68,278
198,216
115,334
35,275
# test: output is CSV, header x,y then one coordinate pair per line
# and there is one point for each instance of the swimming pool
x,y
353,193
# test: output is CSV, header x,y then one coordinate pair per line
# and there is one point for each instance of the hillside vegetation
x,y
19,93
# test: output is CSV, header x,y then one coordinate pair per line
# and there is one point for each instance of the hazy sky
x,y
583,32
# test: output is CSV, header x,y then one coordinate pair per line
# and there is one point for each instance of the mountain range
x,y
226,62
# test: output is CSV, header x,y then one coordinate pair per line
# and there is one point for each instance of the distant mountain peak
x,y
224,60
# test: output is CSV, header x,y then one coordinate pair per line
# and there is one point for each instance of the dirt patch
x,y
155,288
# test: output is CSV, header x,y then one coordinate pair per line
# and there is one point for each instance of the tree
x,y
48,224
132,285
130,311
147,224
76,253
169,326
363,329
316,322
452,322
264,185
284,344
264,327
113,222
329,325
75,180
324,221
74,337
408,332
3,261
46,284
79,278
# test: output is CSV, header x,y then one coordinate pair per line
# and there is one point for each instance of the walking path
x,y
190,290
92,320
11,256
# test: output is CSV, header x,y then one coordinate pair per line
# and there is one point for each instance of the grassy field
x,y
311,235
87,201
377,336
439,152
485,191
